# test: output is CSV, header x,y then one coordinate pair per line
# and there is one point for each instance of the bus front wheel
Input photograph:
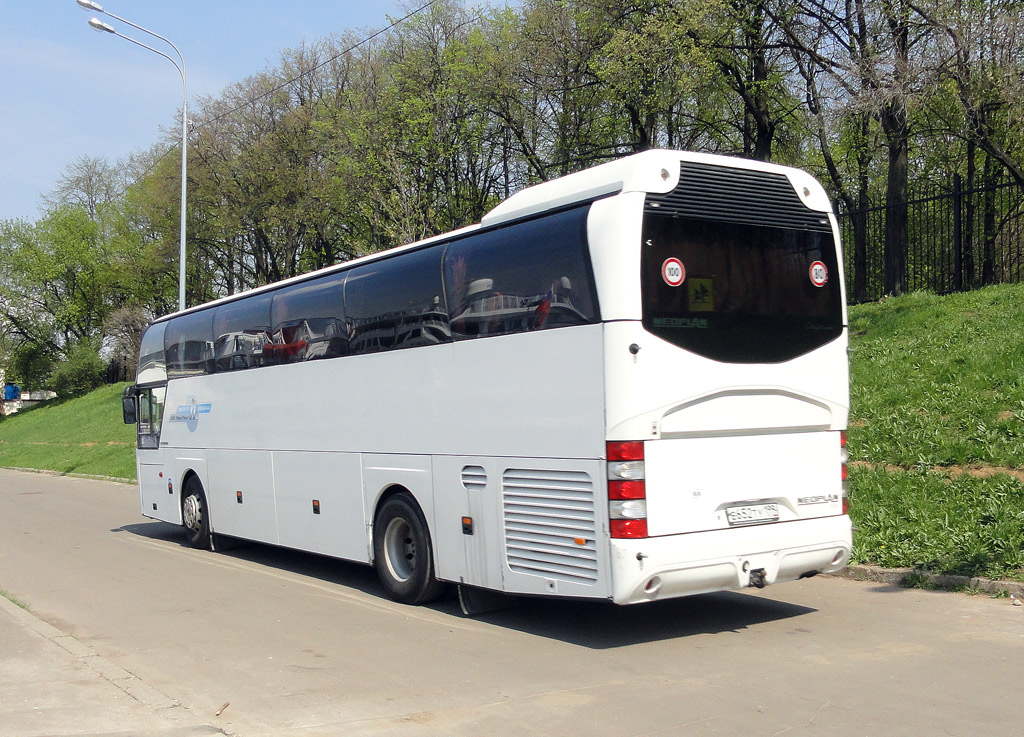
x,y
195,514
402,552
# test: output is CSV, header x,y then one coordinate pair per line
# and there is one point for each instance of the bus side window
x,y
397,303
188,342
240,330
152,364
532,275
308,321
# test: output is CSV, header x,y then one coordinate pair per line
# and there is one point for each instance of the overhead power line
x,y
282,85
316,67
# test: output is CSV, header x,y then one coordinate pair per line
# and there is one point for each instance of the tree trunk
x,y
894,123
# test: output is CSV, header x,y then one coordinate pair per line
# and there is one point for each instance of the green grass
x,y
14,600
926,519
937,388
84,435
936,432
939,380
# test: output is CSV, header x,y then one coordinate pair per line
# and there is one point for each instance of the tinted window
x,y
188,342
240,330
152,365
397,303
532,275
739,292
308,321
151,412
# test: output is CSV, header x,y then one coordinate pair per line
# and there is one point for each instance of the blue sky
x,y
67,91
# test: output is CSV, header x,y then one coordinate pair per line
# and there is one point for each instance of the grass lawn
x,y
84,435
937,432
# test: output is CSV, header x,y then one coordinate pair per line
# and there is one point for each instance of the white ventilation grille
x,y
474,478
550,524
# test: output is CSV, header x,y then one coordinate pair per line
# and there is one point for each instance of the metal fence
x,y
958,239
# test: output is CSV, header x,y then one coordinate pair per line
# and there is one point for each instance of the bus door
x,y
157,498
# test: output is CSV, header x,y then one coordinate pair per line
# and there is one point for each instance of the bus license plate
x,y
752,514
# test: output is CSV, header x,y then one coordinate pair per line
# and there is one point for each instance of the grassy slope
x,y
937,385
83,435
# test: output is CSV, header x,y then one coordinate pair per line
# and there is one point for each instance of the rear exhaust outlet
x,y
757,578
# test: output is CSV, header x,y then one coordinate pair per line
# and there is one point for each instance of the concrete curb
x,y
900,576
70,475
127,682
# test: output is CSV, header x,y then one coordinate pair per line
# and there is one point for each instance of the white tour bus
x,y
628,384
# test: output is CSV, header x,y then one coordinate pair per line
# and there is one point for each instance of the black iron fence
x,y
959,238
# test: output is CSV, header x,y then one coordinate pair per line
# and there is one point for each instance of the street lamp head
x,y
100,26
90,5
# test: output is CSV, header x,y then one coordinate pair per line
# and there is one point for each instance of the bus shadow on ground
x,y
596,625
320,567
603,625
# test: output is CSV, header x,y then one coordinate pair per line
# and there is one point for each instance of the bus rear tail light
x,y
627,490
844,457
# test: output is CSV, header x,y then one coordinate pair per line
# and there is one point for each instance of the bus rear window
x,y
739,292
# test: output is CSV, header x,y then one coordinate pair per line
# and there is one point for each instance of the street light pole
x,y
102,27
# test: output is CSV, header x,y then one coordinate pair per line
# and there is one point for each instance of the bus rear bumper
x,y
720,560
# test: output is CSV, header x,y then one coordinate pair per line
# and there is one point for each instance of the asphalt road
x,y
130,632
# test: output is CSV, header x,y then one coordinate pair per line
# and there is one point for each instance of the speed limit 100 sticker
x,y
818,273
673,272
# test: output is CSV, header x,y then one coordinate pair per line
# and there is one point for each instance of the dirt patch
x,y
978,472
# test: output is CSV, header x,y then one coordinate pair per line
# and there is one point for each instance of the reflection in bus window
x,y
397,303
308,321
533,278
240,330
151,412
189,344
152,364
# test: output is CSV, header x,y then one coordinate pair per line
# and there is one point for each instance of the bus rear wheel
x,y
195,514
402,552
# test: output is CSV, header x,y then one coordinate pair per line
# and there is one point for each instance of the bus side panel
x,y
178,465
554,527
535,525
240,493
320,503
155,499
468,487
535,394
384,472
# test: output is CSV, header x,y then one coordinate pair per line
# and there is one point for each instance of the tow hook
x,y
757,577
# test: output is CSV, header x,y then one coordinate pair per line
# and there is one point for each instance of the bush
x,y
29,366
80,372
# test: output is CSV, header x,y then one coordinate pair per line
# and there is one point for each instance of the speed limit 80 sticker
x,y
818,273
673,272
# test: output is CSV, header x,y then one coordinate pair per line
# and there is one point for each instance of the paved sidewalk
x,y
51,684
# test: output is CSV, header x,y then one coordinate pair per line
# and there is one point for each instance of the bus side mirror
x,y
129,409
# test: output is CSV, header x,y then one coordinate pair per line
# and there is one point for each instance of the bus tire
x,y
195,514
402,553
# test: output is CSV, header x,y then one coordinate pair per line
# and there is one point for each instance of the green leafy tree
x,y
81,371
